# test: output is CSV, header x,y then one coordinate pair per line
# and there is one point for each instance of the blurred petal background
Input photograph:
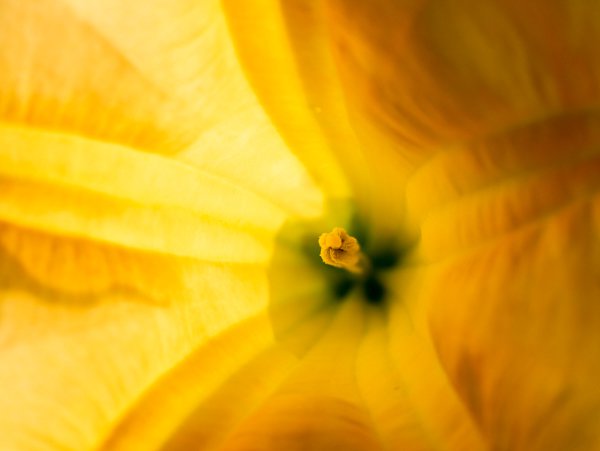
x,y
153,154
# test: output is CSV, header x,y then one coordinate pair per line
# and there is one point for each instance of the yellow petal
x,y
59,72
160,78
413,78
493,106
412,403
302,93
281,88
230,390
318,406
104,280
212,421
534,312
71,185
302,289
88,327
511,233
184,48
246,149
430,74
174,397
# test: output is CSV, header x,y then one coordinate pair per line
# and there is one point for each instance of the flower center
x,y
341,250
305,293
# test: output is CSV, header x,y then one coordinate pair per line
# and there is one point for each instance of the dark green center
x,y
371,285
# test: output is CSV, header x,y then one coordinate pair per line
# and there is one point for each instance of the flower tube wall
x,y
167,169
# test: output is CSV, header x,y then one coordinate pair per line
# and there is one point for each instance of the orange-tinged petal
x,y
501,99
413,404
513,315
429,74
509,227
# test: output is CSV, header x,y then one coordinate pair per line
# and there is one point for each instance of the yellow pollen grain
x,y
341,250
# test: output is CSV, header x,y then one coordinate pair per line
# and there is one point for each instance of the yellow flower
x,y
161,285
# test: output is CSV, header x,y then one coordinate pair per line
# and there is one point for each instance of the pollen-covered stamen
x,y
342,251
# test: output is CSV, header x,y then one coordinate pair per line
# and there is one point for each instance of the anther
x,y
341,250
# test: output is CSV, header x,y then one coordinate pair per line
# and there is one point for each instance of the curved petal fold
x,y
86,328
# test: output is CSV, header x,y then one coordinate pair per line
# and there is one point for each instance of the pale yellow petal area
x,y
509,294
181,46
124,246
274,74
71,185
87,327
185,49
319,406
58,72
246,149
110,169
149,424
159,77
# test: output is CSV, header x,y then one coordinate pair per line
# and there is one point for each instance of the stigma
x,y
342,250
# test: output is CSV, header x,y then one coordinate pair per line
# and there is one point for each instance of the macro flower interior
x,y
171,171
